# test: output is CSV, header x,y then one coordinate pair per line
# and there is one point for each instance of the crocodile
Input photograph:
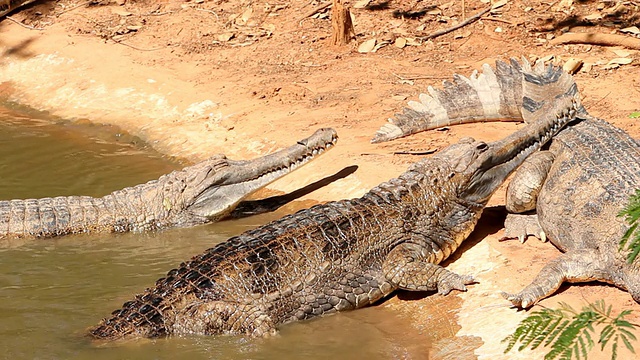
x,y
340,255
205,192
577,186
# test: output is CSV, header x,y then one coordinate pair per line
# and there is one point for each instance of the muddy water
x,y
52,290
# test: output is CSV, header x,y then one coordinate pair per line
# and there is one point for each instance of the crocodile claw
x,y
521,226
518,300
455,282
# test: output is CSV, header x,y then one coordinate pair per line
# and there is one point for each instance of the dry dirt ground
x,y
245,77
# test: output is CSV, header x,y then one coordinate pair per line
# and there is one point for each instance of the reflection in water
x,y
51,291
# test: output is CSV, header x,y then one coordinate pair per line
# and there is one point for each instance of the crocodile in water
x,y
198,194
339,255
578,186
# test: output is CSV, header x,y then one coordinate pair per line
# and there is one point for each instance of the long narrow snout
x,y
242,178
285,160
507,154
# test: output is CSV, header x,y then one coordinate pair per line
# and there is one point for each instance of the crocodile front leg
x,y
522,195
406,269
573,266
522,225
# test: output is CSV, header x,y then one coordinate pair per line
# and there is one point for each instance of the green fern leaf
x,y
623,314
606,335
626,332
631,213
548,333
556,332
534,331
584,348
627,343
570,334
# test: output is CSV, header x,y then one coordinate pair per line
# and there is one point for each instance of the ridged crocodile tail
x,y
500,94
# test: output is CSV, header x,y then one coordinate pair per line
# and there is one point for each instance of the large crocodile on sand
x,y
578,186
339,255
198,194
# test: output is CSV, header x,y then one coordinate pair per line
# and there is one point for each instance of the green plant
x,y
631,213
635,115
570,333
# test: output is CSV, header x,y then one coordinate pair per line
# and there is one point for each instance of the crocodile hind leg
x,y
522,195
223,317
406,270
573,266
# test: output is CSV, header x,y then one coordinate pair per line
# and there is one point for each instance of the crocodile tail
x,y
492,95
141,317
542,84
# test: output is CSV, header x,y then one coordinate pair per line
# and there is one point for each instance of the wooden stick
x,y
23,25
73,8
317,9
135,47
420,77
415,152
597,39
489,18
457,26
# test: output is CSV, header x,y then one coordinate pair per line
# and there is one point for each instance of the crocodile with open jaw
x,y
339,255
198,194
578,186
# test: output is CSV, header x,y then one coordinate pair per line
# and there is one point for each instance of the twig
x,y
419,77
135,47
415,152
597,39
550,6
489,18
73,8
209,11
154,13
317,9
457,26
23,25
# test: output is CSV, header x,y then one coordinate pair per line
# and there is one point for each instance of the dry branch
x,y
314,11
457,26
415,152
23,25
597,39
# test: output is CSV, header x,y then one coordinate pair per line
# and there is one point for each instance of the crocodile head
x,y
482,167
214,187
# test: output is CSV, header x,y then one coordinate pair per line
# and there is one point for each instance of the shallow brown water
x,y
51,291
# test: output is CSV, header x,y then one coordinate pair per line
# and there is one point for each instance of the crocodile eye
x,y
482,146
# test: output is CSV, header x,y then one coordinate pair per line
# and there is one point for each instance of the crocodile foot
x,y
521,300
452,281
521,226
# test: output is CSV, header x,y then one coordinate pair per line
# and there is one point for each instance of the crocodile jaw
x,y
492,167
242,178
